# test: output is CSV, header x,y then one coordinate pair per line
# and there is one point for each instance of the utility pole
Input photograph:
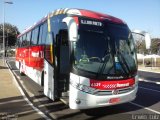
x,y
4,50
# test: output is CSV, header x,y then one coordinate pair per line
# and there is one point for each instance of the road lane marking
x,y
140,79
9,66
149,89
147,71
146,108
41,99
12,101
45,105
24,96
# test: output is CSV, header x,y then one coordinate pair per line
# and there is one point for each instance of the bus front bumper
x,y
81,100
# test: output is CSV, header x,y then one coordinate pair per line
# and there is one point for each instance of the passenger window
x,y
49,48
49,39
24,40
35,36
40,35
44,33
18,42
28,38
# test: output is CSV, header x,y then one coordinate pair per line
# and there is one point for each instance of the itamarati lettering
x,y
117,85
122,85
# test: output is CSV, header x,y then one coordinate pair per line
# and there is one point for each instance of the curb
x,y
25,94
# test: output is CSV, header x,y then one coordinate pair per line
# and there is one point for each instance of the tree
x,y
11,33
155,46
155,43
140,43
141,47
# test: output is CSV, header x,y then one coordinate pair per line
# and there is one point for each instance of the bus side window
x,y
34,36
47,40
17,42
24,40
28,38
40,35
20,42
49,48
43,33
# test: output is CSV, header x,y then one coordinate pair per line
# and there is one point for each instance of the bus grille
x,y
110,92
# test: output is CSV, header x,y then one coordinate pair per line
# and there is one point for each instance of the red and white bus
x,y
85,56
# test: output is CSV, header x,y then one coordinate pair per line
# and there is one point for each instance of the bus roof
x,y
88,13
77,12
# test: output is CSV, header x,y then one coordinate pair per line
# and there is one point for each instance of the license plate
x,y
114,100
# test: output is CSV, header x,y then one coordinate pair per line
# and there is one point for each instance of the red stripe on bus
x,y
32,56
110,85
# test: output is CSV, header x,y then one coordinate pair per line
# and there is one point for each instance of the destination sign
x,y
91,22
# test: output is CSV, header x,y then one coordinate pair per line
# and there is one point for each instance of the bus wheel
x,y
20,69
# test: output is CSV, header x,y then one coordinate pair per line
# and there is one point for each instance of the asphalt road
x,y
146,106
149,76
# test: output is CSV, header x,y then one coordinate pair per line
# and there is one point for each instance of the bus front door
x,y
63,64
49,81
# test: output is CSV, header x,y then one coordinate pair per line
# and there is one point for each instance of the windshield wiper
x,y
101,69
123,62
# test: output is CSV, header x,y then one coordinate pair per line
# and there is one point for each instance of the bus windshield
x,y
109,51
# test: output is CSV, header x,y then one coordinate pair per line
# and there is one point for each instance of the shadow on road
x,y
62,111
16,107
2,67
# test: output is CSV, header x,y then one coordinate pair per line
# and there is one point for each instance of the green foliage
x,y
10,53
141,48
11,33
155,45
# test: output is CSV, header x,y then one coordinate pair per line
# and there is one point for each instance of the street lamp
x,y
4,2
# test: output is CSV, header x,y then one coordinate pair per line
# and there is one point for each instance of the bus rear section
x,y
89,58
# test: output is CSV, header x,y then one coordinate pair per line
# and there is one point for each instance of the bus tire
x,y
20,69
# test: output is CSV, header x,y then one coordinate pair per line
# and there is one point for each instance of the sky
x,y
138,14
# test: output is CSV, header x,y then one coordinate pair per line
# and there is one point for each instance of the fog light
x,y
77,101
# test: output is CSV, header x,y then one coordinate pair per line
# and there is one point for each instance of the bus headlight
x,y
84,88
136,80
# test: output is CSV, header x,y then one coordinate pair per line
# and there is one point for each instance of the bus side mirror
x,y
147,41
146,37
72,28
